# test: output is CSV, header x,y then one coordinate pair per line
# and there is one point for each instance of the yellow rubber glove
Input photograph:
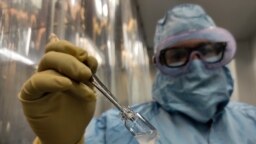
x,y
56,104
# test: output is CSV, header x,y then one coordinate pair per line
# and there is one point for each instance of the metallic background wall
x,y
108,29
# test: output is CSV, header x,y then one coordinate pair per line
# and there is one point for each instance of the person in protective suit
x,y
191,91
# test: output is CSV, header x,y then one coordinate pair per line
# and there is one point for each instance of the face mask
x,y
200,93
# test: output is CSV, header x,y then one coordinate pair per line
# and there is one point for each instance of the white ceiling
x,y
238,16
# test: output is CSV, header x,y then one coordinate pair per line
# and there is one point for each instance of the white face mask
x,y
200,94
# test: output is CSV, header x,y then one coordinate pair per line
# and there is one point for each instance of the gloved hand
x,y
56,104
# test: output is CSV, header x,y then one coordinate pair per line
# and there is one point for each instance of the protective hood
x,y
200,93
190,22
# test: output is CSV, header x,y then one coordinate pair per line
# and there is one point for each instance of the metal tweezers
x,y
125,112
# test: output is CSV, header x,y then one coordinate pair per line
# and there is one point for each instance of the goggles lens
x,y
210,52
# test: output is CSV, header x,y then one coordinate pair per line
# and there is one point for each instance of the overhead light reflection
x,y
105,10
28,41
111,52
15,56
73,2
98,5
114,2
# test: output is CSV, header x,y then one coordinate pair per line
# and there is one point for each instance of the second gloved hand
x,y
56,102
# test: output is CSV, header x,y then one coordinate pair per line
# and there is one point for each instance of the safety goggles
x,y
208,52
219,50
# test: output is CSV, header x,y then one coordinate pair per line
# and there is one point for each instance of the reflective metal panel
x,y
134,56
116,33
19,27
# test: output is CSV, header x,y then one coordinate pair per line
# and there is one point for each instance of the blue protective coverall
x,y
236,125
231,123
192,108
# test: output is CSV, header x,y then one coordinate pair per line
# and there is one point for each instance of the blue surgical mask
x,y
200,93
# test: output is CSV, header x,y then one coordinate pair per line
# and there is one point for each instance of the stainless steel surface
x,y
22,24
104,28
13,127
134,55
124,66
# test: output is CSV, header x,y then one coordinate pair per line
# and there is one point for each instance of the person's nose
x,y
195,56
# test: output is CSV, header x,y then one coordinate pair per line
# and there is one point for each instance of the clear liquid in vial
x,y
145,139
141,129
